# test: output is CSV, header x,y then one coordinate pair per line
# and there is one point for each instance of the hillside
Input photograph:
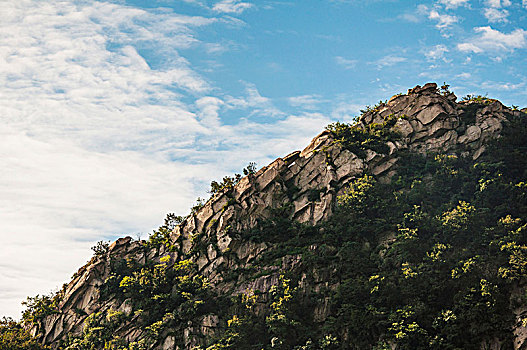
x,y
405,230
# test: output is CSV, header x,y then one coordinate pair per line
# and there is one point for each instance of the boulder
x,y
428,115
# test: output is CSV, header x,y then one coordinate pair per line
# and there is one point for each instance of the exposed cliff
x,y
220,238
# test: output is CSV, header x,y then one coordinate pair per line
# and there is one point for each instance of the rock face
x,y
307,182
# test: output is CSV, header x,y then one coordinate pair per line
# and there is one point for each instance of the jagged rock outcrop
x,y
309,182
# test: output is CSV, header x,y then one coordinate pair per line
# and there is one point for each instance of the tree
x,y
14,337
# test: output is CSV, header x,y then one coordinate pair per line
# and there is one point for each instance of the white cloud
x,y
209,111
195,2
64,71
231,6
59,198
491,40
498,3
464,75
437,52
432,75
345,62
494,15
524,3
417,15
306,101
443,20
410,17
389,60
503,86
253,100
453,3
422,10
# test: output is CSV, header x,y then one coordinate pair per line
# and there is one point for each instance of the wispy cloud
x,y
436,53
209,107
450,4
498,3
503,86
443,20
306,101
253,100
410,17
231,6
346,62
73,68
464,75
495,15
417,15
389,60
494,41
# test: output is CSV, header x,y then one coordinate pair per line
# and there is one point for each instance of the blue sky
x,y
117,112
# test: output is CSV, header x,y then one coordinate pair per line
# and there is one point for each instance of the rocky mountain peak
x,y
303,185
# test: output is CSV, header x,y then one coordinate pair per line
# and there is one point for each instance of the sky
x,y
114,113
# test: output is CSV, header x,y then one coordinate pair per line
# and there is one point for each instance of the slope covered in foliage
x,y
430,253
451,275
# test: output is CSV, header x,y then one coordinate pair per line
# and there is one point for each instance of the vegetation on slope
x,y
14,337
358,138
436,259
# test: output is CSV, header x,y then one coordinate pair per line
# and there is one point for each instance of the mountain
x,y
404,230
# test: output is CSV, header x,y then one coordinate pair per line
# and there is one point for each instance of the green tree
x,y
14,337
